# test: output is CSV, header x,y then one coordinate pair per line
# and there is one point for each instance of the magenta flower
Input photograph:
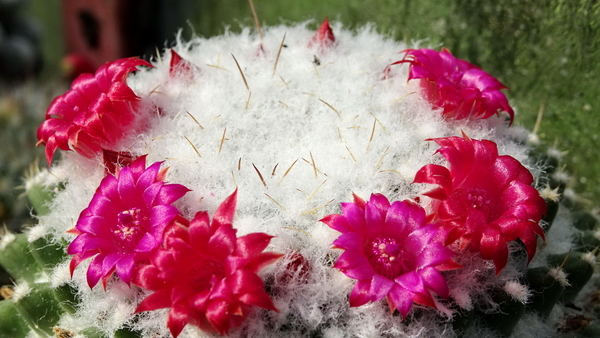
x,y
391,253
485,200
94,114
461,89
124,221
324,37
206,275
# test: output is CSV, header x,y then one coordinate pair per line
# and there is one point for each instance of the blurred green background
x,y
546,52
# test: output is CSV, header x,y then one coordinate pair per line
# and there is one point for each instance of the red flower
x,y
94,114
461,89
391,253
179,65
206,275
485,199
324,36
73,65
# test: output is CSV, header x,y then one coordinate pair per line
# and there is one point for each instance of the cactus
x,y
12,323
292,141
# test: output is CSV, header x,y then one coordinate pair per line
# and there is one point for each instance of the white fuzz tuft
x,y
533,139
21,290
550,194
589,257
6,239
36,232
517,291
556,153
60,275
559,275
561,176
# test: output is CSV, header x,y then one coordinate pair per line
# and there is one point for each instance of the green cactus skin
x,y
92,332
39,197
12,324
551,163
579,272
462,321
40,309
47,252
585,241
18,261
67,297
592,331
584,220
559,185
127,333
551,212
546,290
507,315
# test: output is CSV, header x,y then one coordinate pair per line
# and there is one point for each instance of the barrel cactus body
x,y
328,184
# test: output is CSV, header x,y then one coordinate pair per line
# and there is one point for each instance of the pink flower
x,y
485,200
391,253
461,89
124,221
324,36
206,275
94,114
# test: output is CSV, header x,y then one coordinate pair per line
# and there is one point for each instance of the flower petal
x,y
124,268
226,210
258,298
349,241
179,317
401,299
493,246
222,242
244,281
354,265
252,244
361,293
157,300
94,271
146,276
217,314
434,281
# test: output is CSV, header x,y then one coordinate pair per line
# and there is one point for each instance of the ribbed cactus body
x,y
578,269
505,317
17,258
40,309
12,323
290,191
48,252
546,290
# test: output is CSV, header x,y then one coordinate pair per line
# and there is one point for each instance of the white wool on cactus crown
x,y
304,136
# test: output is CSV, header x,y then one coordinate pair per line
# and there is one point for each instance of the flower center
x,y
204,275
385,255
477,199
131,227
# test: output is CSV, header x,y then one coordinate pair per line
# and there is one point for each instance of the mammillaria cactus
x,y
297,125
